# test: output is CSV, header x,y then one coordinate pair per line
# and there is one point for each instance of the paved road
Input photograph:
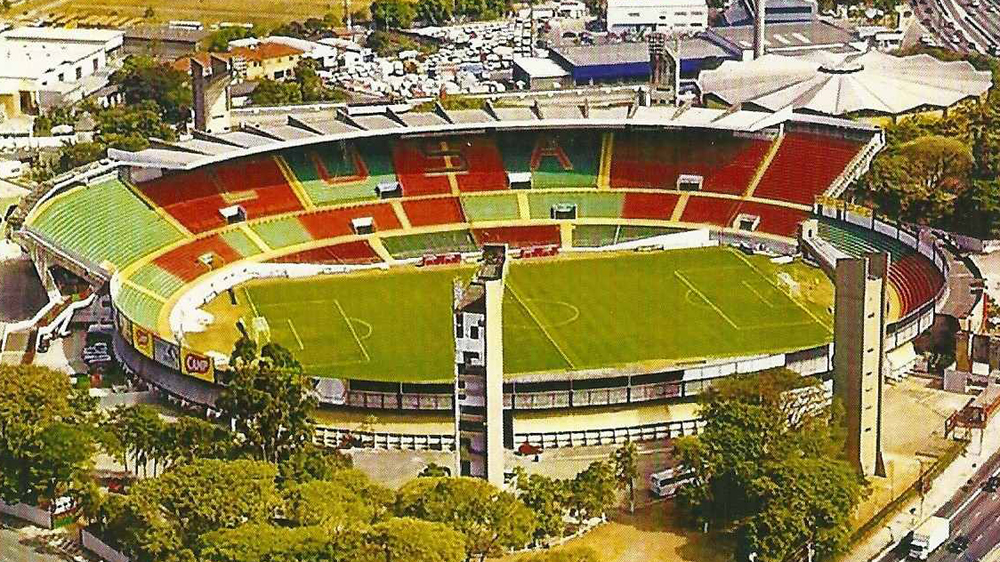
x,y
974,513
962,25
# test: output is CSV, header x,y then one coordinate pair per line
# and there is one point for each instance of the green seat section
x,y
105,221
341,180
588,205
157,279
415,245
629,233
856,241
283,232
240,242
593,236
139,307
490,207
564,160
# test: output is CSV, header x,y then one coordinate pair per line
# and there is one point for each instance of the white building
x,y
661,15
42,67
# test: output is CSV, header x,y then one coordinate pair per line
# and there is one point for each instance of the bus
x,y
666,483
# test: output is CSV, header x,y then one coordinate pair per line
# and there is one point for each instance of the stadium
x,y
651,253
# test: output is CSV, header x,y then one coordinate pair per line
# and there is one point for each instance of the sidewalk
x,y
943,489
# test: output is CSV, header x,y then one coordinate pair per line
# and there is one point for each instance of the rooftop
x,y
165,33
785,37
538,67
63,34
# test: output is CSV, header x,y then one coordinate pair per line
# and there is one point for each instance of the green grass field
x,y
585,312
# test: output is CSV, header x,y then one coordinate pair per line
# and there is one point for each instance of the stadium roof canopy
x,y
841,83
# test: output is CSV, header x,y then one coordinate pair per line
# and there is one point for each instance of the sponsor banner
x,y
166,353
197,365
142,339
124,327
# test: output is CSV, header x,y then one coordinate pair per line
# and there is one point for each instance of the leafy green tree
x,y
389,14
270,406
347,499
433,12
140,434
413,540
434,470
570,554
311,462
218,41
547,497
77,154
191,438
491,520
257,542
143,79
43,420
592,491
272,92
626,463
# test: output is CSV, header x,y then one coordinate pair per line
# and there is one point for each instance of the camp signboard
x,y
197,365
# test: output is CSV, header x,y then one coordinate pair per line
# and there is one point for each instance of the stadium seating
x,y
355,252
485,166
282,232
184,261
337,222
595,204
105,222
774,219
710,210
157,280
655,160
335,174
555,160
138,306
658,206
442,210
421,172
628,233
805,166
518,236
490,207
240,242
194,198
594,235
416,245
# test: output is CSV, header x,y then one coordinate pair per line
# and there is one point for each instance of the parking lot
x,y
961,25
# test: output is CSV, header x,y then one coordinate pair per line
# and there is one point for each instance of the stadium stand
x,y
774,219
915,278
283,232
240,242
594,205
485,165
337,222
336,173
628,233
490,207
157,280
518,236
416,245
649,205
425,212
194,198
805,166
138,306
185,261
355,252
594,235
655,160
422,171
105,222
710,210
555,160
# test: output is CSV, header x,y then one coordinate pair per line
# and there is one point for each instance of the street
x,y
962,25
974,514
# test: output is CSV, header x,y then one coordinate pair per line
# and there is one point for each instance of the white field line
x,y
354,333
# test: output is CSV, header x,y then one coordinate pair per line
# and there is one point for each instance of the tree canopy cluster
x,y
769,467
942,172
305,87
402,14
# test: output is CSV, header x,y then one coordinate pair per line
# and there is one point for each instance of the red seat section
x,y
337,222
423,167
194,198
775,219
649,205
358,251
485,171
916,280
805,166
185,262
424,212
518,236
652,160
710,210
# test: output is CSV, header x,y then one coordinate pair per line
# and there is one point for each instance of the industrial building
x,y
629,62
657,15
741,12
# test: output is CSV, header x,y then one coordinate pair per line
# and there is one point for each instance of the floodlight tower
x,y
758,28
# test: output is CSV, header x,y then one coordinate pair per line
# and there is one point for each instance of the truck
x,y
928,537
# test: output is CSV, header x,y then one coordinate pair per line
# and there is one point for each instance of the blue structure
x,y
629,62
742,12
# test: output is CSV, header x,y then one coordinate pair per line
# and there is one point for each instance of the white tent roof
x,y
839,83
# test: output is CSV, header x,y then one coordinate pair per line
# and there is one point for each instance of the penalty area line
x,y
354,332
707,300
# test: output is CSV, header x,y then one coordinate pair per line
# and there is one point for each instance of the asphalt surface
x,y
962,25
974,513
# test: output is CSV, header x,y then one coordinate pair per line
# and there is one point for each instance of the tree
x,y
129,127
547,497
140,435
592,491
311,462
387,14
142,79
626,463
491,520
46,433
256,542
191,438
571,554
433,12
347,499
77,154
218,41
272,92
434,470
270,406
413,540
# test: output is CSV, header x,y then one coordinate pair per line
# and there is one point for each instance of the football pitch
x,y
584,312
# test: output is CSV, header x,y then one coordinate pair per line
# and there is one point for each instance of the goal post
x,y
260,330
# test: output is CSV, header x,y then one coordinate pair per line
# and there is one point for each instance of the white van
x,y
666,483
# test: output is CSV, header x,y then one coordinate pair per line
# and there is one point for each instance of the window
x,y
95,65
459,331
633,14
62,77
79,72
474,332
